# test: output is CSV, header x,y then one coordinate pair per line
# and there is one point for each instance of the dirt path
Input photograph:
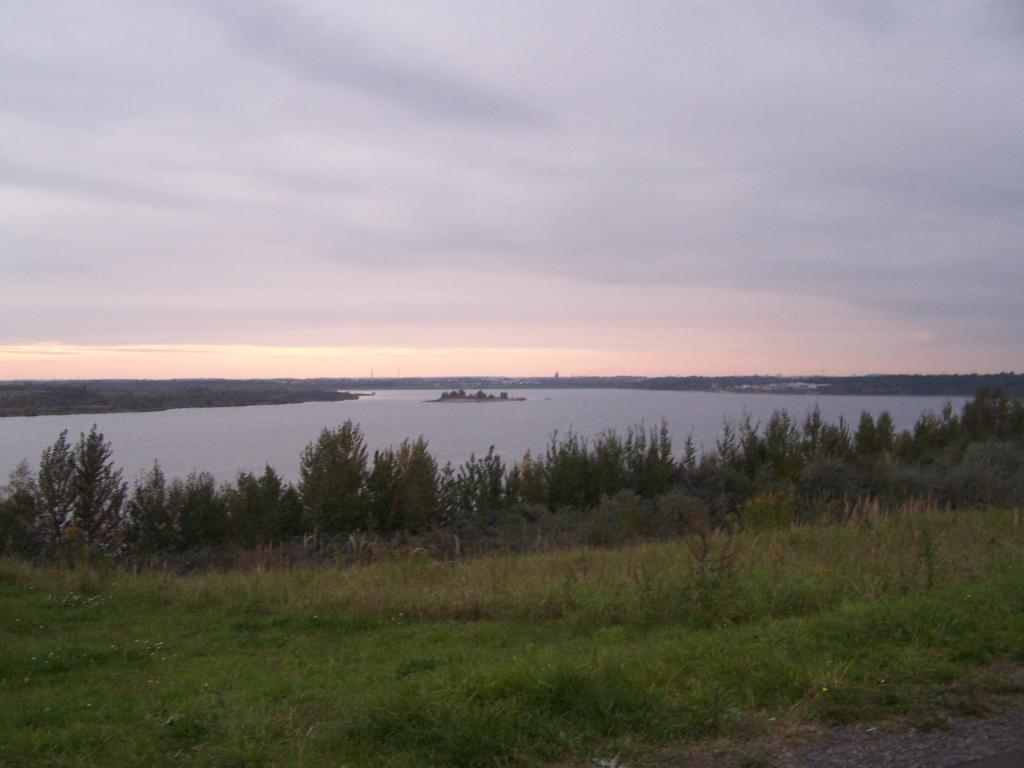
x,y
992,738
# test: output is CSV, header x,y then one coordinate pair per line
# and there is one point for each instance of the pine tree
x,y
382,491
261,510
198,509
19,511
150,523
99,492
689,456
417,485
885,432
56,482
865,441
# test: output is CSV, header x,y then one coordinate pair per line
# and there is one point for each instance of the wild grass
x,y
714,578
504,660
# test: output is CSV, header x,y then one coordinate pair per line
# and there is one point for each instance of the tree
x,y
245,511
659,467
199,510
332,482
569,472
836,442
150,523
752,450
18,511
814,424
56,484
689,463
989,415
417,485
480,488
449,510
382,491
403,488
99,492
725,446
526,482
289,512
261,510
885,432
865,441
930,438
610,463
783,447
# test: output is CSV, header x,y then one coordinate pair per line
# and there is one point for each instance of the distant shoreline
x,y
103,396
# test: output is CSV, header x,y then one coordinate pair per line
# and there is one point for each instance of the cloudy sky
x,y
271,188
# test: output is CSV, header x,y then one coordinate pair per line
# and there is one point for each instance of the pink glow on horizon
x,y
54,361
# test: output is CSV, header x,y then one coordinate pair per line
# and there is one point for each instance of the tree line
x,y
78,501
33,398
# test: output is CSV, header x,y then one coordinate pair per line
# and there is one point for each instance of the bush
x,y
827,478
991,473
769,509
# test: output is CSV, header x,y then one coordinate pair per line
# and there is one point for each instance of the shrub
x,y
989,473
769,509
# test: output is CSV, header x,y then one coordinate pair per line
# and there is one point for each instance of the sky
x,y
320,188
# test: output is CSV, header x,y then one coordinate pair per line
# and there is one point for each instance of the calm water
x,y
228,440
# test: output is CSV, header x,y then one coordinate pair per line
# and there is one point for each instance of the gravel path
x,y
995,741
1013,759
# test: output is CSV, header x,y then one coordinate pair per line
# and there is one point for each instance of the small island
x,y
461,396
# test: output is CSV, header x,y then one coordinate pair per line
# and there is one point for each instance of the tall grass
x,y
710,579
506,660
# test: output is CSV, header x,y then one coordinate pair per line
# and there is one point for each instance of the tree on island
x,y
461,394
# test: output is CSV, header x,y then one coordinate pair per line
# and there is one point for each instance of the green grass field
x,y
504,660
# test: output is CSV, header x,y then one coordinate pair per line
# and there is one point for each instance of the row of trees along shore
x,y
612,488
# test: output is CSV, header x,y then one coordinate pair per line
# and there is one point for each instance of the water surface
x,y
228,440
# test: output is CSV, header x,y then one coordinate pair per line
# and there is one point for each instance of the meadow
x,y
510,660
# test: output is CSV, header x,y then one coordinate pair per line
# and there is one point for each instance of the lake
x,y
228,440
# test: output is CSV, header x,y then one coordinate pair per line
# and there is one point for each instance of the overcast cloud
x,y
664,187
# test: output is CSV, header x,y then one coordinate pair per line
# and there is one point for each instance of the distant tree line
x,y
776,473
944,385
37,398
31,398
939,385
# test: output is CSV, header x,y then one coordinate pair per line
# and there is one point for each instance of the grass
x,y
506,661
